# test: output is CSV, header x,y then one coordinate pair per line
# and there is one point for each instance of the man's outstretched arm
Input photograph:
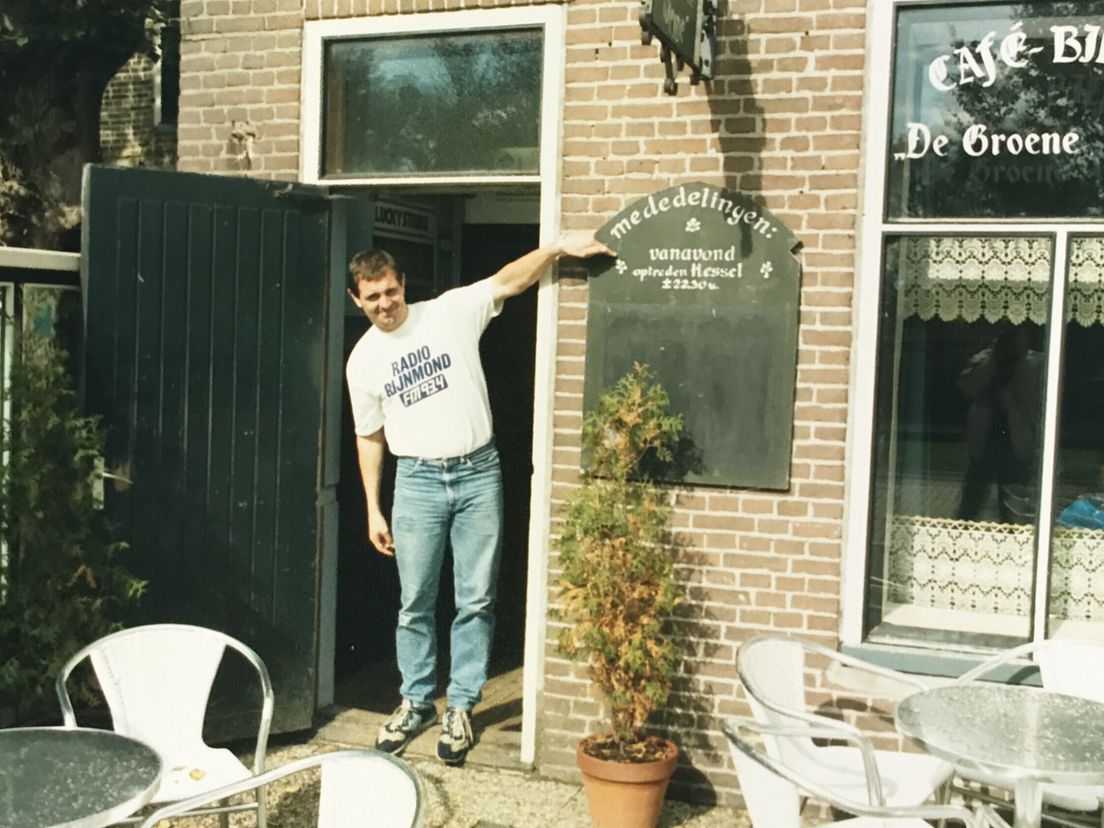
x,y
519,274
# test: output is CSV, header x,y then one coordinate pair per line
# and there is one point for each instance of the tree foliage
x,y
617,589
56,58
65,586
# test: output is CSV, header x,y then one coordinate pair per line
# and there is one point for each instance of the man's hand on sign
x,y
582,245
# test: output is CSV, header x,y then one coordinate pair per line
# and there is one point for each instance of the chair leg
x,y
224,818
262,808
943,797
944,792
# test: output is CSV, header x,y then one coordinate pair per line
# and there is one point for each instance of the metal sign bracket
x,y
687,33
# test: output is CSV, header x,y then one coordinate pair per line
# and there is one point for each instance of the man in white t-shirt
x,y
417,387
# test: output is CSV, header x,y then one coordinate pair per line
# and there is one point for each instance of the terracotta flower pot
x,y
625,794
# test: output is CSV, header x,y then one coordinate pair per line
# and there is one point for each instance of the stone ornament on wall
x,y
243,138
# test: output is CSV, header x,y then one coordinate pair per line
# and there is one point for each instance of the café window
x,y
985,515
998,111
432,104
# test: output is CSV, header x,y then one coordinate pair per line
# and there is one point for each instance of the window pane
x,y
1077,558
958,430
7,323
433,104
54,312
997,111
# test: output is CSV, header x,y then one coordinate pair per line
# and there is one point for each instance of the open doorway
x,y
473,235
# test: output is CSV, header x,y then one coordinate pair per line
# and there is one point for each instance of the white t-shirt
x,y
423,382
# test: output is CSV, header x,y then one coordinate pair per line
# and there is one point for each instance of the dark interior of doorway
x,y
366,676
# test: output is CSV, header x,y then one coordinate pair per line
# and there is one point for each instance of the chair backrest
x,y
1066,665
359,787
1073,667
772,670
157,680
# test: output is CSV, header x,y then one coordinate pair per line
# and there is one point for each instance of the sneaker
x,y
456,736
405,723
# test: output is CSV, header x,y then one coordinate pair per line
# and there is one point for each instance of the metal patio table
x,y
73,777
1026,734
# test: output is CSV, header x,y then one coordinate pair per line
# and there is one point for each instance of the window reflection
x,y
1016,92
1077,568
1003,385
453,103
54,312
958,435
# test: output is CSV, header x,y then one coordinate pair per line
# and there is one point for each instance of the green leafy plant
x,y
617,589
63,583
50,121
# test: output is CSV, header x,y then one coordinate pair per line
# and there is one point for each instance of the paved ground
x,y
473,796
478,796
493,789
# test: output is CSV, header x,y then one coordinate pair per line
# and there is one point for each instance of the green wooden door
x,y
213,355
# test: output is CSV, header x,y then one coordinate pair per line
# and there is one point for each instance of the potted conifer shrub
x,y
617,591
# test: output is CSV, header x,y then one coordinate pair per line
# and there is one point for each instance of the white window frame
x,y
317,33
551,18
872,230
7,327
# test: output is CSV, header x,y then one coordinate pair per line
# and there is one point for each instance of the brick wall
x,y
239,78
239,87
129,133
781,123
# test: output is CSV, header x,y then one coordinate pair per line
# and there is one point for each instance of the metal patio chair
x,y
358,787
157,680
1074,667
772,789
773,670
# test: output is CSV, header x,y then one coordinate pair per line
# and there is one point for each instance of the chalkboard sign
x,y
704,290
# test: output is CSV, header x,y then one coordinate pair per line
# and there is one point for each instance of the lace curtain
x,y
988,567
996,278
1085,299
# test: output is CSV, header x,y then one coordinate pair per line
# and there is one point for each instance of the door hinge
x,y
295,192
100,473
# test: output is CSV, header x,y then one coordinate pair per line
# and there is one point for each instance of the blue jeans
x,y
437,501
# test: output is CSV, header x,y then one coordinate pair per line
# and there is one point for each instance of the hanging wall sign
x,y
704,289
687,33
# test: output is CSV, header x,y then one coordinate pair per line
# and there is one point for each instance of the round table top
x,y
52,776
1011,729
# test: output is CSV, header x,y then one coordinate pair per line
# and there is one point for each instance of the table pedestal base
x,y
1029,804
